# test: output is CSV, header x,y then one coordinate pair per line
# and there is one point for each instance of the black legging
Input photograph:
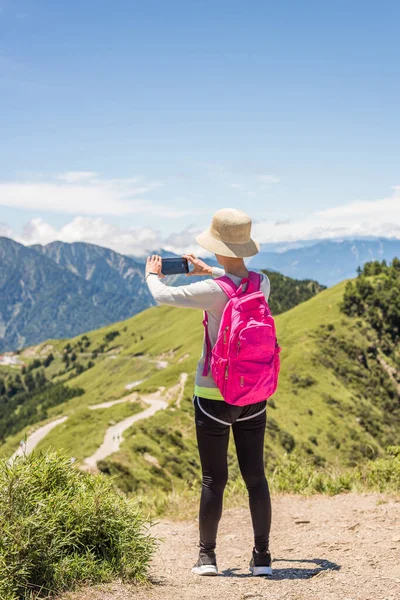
x,y
248,425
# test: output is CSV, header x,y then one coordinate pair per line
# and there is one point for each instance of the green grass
x,y
329,407
61,528
293,475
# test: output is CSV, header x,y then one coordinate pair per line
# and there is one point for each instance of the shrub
x,y
302,381
48,360
61,528
110,336
287,441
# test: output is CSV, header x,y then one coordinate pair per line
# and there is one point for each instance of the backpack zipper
x,y
225,330
241,381
238,346
226,371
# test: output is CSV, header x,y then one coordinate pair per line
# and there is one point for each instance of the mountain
x,y
328,262
61,290
338,400
107,270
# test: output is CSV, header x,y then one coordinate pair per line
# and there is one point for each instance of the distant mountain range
x,y
327,262
61,290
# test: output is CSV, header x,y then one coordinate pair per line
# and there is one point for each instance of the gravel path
x,y
110,403
113,437
114,434
37,436
344,547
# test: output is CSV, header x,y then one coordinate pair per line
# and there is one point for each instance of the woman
x,y
229,239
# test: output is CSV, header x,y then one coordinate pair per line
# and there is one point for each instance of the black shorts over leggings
x,y
214,419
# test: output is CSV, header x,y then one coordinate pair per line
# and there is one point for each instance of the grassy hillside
x,y
330,406
288,292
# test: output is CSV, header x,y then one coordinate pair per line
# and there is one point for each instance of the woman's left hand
x,y
153,265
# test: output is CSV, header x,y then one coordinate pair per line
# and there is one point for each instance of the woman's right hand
x,y
200,267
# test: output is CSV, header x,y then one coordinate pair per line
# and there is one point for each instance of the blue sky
x,y
128,123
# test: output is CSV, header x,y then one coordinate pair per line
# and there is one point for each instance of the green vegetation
x,y
61,528
293,475
287,292
375,296
337,403
27,401
320,410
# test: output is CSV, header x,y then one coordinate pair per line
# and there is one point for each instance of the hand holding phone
x,y
153,265
177,265
174,266
199,266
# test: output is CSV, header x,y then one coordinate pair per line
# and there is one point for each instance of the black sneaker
x,y
206,565
260,563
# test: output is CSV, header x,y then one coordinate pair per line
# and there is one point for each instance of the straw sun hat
x,y
229,234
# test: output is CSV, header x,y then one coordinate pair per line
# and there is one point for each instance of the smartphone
x,y
174,266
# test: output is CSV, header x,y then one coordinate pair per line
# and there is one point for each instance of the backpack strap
x,y
227,285
208,345
255,280
231,290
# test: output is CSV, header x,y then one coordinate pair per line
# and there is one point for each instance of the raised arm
x,y
202,268
205,295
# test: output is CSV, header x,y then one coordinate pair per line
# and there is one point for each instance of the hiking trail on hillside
x,y
36,437
344,547
113,437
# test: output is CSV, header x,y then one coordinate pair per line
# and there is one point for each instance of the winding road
x,y
113,436
36,437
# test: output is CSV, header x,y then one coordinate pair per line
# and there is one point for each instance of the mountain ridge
x,y
87,286
39,298
327,262
81,286
325,409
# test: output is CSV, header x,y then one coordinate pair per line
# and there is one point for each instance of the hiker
x,y
229,239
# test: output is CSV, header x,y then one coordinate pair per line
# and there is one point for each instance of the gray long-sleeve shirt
x,y
204,295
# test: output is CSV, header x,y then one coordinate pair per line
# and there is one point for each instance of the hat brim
x,y
210,243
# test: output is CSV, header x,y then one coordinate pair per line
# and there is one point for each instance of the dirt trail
x,y
37,436
131,398
177,390
113,437
344,547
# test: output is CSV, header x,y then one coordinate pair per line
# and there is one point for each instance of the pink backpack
x,y
245,359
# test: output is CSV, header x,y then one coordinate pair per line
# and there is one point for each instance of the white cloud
x,y
84,193
97,231
94,231
267,179
385,208
361,218
74,176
